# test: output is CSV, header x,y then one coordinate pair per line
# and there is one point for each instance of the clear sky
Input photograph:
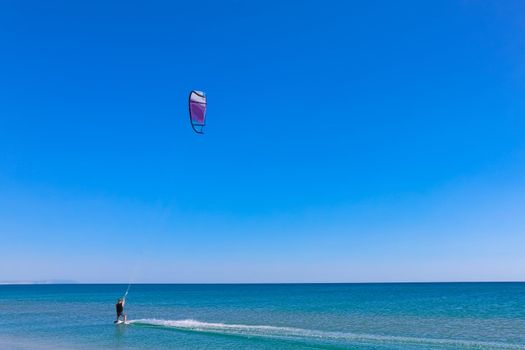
x,y
347,141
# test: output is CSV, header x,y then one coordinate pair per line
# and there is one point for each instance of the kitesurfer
x,y
120,309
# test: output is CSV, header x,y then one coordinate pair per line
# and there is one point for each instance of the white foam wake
x,y
307,334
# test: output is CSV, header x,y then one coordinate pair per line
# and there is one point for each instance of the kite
x,y
197,106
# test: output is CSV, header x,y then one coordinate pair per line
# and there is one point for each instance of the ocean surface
x,y
280,316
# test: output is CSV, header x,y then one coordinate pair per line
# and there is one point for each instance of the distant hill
x,y
53,281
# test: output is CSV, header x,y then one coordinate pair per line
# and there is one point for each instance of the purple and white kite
x,y
197,105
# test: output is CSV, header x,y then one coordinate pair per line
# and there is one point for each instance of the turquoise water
x,y
300,316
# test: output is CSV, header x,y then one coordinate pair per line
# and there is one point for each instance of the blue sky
x,y
346,141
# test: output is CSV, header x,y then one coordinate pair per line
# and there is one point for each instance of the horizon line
x,y
28,283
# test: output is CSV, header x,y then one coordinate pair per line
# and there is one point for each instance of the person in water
x,y
120,309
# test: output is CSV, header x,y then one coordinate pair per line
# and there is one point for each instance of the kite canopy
x,y
197,105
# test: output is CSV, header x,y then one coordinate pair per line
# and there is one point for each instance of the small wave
x,y
317,335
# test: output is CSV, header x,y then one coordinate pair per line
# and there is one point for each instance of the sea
x,y
265,316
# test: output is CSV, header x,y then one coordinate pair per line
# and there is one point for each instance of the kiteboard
x,y
119,322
